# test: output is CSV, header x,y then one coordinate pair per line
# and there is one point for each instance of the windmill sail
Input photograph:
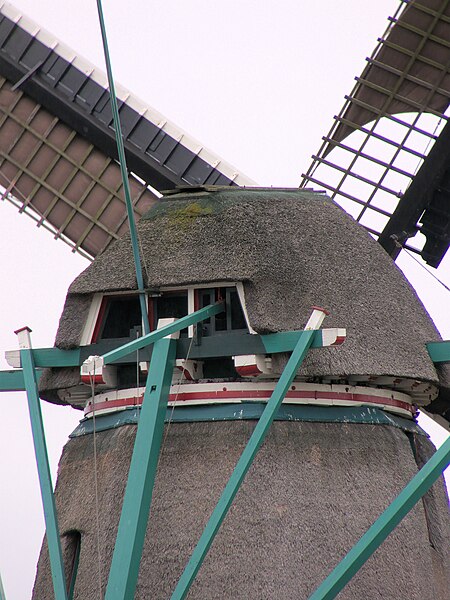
x,y
383,136
58,157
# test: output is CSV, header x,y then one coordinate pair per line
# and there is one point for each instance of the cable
x,y
97,517
444,285
174,402
425,153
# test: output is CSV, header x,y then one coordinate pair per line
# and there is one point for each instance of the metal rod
x,y
259,433
138,494
383,526
124,171
45,479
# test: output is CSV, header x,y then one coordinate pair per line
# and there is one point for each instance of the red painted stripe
x,y
196,300
248,371
89,379
122,403
186,373
99,322
151,313
259,394
324,310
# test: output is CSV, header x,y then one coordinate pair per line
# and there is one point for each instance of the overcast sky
x,y
257,82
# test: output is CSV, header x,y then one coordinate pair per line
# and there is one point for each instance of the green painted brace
x,y
243,465
439,351
14,381
45,480
144,462
383,526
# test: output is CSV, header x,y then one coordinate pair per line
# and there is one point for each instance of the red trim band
x,y
233,395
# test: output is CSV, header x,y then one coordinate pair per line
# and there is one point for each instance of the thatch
x,y
312,491
73,318
54,380
292,249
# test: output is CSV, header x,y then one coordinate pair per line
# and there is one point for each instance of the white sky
x,y
256,81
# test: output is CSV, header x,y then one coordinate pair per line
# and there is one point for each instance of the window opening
x,y
71,546
219,368
126,377
168,304
232,319
234,310
119,317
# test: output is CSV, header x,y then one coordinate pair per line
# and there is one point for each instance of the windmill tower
x,y
68,386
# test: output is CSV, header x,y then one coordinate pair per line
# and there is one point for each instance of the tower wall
x,y
312,491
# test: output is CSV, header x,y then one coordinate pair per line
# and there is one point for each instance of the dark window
x,y
235,314
222,368
169,304
119,317
231,319
128,376
71,546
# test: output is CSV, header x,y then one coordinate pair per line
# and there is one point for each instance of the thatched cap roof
x,y
292,249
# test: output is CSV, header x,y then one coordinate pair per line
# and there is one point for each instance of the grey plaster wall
x,y
312,492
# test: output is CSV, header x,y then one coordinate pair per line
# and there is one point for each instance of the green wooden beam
x,y
49,357
383,526
439,351
138,494
54,357
232,343
13,381
237,343
243,465
285,341
45,480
